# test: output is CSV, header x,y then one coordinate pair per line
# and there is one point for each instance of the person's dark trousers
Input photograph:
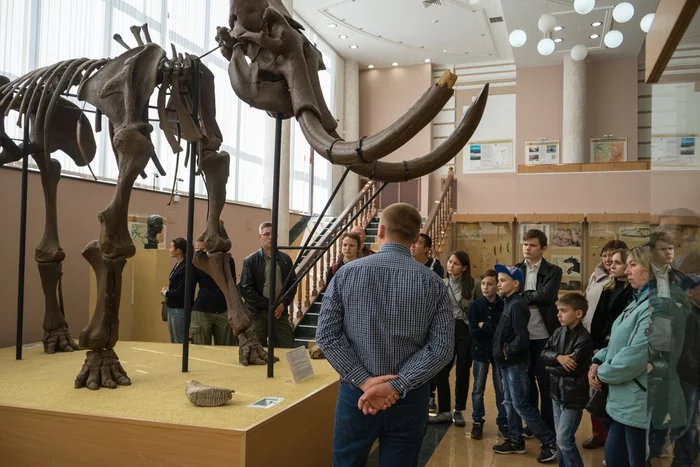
x,y
442,385
481,372
433,387
685,447
517,404
657,441
599,429
463,363
567,422
626,446
540,397
400,429
284,336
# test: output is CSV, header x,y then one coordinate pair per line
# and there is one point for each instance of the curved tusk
x,y
415,168
388,140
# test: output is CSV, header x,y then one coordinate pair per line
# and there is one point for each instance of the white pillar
x,y
574,148
351,106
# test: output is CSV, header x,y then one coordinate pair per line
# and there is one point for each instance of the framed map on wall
x,y
608,149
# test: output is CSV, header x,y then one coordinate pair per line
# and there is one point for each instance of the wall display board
x,y
138,229
600,233
487,243
541,152
674,151
488,157
608,149
565,249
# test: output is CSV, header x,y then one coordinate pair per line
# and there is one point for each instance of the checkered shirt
x,y
386,314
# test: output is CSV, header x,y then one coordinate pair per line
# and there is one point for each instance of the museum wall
x,y
79,201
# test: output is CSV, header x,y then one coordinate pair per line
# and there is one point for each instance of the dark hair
x,y
614,245
352,235
180,244
659,237
467,279
538,234
490,273
427,241
575,301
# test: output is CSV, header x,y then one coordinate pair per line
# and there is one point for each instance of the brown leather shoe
x,y
593,443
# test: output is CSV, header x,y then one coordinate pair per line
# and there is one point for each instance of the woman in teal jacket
x,y
623,367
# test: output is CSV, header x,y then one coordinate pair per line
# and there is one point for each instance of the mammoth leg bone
x,y
107,256
215,166
49,257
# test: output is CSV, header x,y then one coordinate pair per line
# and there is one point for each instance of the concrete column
x,y
351,127
574,148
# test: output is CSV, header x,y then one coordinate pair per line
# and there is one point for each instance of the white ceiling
x,y
403,31
523,14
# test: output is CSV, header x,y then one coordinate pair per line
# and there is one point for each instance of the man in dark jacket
x,y
255,289
567,357
540,291
484,315
511,352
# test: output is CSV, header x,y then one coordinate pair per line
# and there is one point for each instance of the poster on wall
x,y
542,152
608,149
674,151
523,228
138,229
488,157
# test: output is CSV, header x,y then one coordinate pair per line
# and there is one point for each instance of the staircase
x,y
435,225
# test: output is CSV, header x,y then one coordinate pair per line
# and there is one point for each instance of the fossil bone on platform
x,y
204,395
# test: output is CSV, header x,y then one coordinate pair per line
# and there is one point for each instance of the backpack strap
x,y
432,264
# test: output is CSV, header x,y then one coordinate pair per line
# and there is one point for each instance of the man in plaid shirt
x,y
386,326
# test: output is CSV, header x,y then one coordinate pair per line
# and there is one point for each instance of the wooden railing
x,y
313,267
441,214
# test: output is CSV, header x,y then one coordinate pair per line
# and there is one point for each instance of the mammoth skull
x,y
274,67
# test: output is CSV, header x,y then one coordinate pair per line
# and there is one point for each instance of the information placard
x,y
300,364
541,152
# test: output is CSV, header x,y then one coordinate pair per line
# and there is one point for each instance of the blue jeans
x,y
685,449
516,392
400,429
626,446
176,325
481,371
566,422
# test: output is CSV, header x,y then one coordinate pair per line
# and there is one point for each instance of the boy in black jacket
x,y
511,353
567,356
484,314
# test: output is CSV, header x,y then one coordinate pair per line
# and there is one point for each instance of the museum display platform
x,y
45,421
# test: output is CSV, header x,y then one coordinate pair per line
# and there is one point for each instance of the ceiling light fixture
x,y
623,12
645,24
353,46
594,36
546,23
579,52
583,7
427,60
613,39
332,25
395,64
546,46
343,36
558,40
558,28
517,38
370,66
596,24
444,50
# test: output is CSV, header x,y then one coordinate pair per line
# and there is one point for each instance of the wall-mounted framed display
x,y
609,149
674,151
487,239
488,157
541,152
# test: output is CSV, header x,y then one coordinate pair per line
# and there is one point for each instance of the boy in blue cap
x,y
512,354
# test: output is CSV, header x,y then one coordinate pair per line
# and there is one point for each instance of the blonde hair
x,y
402,222
624,253
642,255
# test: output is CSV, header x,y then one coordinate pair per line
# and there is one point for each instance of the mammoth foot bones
x,y
250,351
58,340
101,369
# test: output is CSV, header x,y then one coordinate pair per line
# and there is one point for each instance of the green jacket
x,y
623,364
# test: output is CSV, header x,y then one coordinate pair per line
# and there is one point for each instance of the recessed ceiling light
x,y
444,50
353,46
370,66
395,64
558,28
343,36
427,60
596,24
558,39
594,36
332,25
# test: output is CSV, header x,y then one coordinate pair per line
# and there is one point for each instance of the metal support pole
x,y
274,251
189,268
22,238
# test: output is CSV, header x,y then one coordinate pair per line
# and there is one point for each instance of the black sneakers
x,y
503,431
458,418
442,417
548,453
477,430
509,448
527,433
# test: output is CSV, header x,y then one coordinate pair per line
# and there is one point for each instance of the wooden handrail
x,y
312,267
441,214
